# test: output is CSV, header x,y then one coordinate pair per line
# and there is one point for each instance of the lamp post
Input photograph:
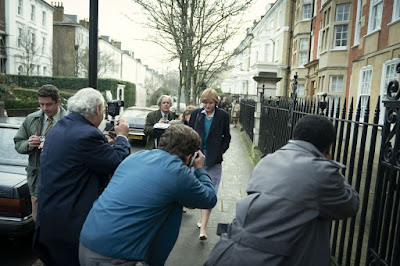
x,y
93,42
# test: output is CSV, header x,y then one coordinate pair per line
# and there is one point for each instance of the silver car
x,y
15,201
136,117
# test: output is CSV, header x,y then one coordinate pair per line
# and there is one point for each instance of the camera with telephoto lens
x,y
113,107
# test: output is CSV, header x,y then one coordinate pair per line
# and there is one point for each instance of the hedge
x,y
74,84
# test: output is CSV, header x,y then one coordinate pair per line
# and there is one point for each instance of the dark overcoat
x,y
76,164
293,196
151,119
219,135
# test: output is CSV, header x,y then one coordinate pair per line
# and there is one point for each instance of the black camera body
x,y
114,107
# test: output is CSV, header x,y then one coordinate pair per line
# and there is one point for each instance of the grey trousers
x,y
88,257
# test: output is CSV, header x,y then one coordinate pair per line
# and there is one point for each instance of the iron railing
x,y
355,147
246,116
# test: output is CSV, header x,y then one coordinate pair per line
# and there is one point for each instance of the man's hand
x,y
199,161
33,142
111,138
162,120
121,127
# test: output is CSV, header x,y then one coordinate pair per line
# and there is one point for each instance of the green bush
x,y
72,84
18,104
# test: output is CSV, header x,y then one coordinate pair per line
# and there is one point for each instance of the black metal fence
x,y
372,237
246,116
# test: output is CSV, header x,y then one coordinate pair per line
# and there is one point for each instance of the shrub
x,y
73,84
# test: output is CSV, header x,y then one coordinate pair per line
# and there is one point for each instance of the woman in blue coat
x,y
212,124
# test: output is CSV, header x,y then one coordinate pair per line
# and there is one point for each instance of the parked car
x,y
136,117
15,201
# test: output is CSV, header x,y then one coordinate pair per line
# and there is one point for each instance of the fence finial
x,y
322,104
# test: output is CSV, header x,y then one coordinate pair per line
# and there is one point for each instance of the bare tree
x,y
29,55
196,33
105,63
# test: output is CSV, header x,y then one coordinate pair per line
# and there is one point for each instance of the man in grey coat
x,y
293,195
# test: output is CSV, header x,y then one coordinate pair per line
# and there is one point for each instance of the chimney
x,y
58,14
116,44
84,23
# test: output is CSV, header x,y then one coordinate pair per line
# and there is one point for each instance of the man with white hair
x,y
162,115
76,164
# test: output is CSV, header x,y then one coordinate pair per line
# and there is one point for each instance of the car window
x,y
135,113
8,154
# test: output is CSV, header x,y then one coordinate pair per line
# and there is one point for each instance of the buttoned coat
x,y
151,119
219,136
293,196
76,164
32,125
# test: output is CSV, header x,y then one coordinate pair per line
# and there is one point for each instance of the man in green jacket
x,y
31,135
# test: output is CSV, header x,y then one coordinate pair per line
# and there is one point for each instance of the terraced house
x,y
339,47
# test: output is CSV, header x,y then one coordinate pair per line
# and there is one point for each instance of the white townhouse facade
x,y
29,35
266,48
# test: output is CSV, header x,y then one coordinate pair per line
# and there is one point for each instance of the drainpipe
x,y
287,80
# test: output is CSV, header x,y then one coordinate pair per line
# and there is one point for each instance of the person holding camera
x,y
76,164
136,220
31,134
292,198
162,115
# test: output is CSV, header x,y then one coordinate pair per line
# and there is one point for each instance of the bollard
x,y
2,108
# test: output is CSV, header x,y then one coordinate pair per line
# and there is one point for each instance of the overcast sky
x,y
117,19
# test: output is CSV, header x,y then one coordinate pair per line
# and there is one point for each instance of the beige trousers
x,y
34,207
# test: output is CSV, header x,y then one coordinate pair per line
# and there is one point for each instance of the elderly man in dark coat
x,y
76,163
162,115
293,196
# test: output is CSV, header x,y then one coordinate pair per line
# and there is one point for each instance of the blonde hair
x,y
209,94
187,111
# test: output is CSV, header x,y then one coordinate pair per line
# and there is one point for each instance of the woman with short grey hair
x,y
85,102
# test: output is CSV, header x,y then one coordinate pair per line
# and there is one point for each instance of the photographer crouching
x,y
137,218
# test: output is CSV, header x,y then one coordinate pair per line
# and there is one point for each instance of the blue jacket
x,y
139,213
219,135
76,164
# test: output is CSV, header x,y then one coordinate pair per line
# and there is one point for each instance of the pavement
x,y
236,172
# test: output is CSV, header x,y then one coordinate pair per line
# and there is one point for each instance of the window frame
x,y
33,13
357,30
20,7
342,39
303,51
374,8
362,95
396,7
343,13
19,39
300,92
43,45
305,12
336,77
44,19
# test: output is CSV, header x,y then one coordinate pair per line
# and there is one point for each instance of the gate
x,y
384,237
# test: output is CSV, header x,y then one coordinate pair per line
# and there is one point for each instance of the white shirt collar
x,y
205,112
56,117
